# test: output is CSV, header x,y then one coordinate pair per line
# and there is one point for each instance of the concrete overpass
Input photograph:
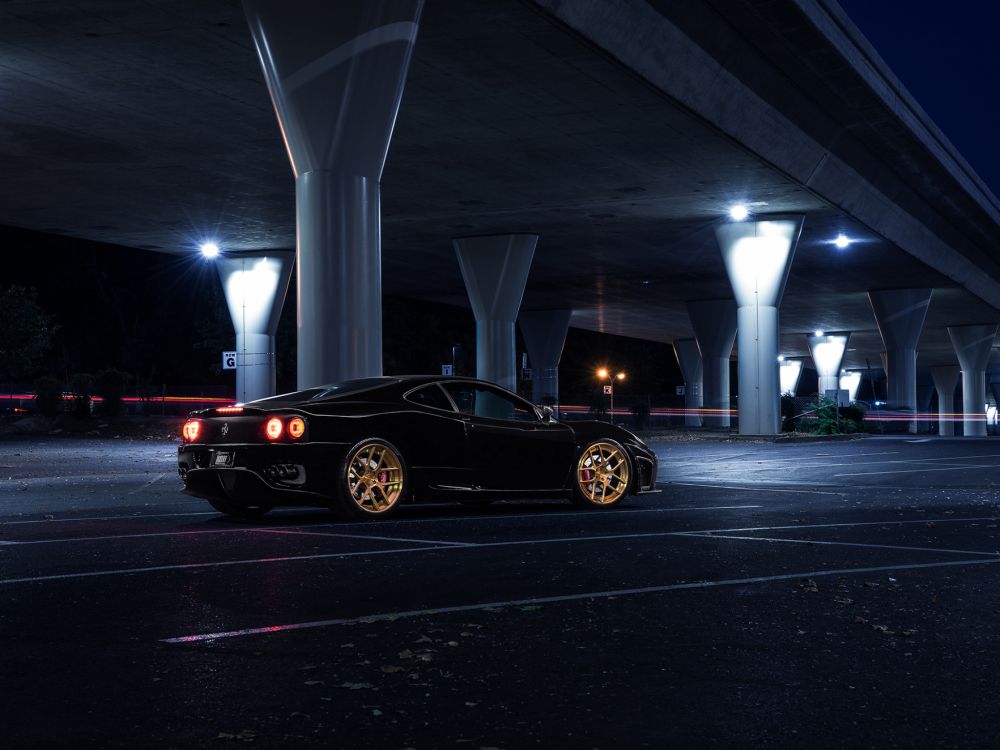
x,y
619,132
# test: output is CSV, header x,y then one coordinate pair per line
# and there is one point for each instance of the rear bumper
x,y
253,479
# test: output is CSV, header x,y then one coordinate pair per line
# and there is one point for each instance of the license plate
x,y
222,458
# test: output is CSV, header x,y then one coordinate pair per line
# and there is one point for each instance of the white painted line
x,y
304,509
107,478
112,537
914,471
226,563
147,484
334,555
387,616
3,543
295,532
843,525
132,517
948,459
845,544
754,489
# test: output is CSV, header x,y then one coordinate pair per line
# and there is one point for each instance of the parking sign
x,y
229,360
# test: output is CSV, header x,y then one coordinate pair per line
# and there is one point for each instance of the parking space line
x,y
110,518
844,544
386,522
221,564
388,616
333,555
754,489
848,524
949,467
153,481
295,532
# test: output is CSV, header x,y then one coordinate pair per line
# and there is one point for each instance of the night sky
x,y
947,56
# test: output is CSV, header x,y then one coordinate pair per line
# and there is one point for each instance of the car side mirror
x,y
547,414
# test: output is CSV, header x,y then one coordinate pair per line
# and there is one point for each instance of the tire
x,y
602,475
372,481
235,510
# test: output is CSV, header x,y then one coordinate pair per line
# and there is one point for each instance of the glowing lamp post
x,y
603,375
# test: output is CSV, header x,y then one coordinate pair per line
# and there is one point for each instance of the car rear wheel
x,y
244,512
372,480
602,474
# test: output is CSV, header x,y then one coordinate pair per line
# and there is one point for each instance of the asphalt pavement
x,y
832,594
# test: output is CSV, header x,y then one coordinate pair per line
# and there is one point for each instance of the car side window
x,y
480,401
430,395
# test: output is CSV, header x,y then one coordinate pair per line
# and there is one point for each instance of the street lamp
x,y
602,375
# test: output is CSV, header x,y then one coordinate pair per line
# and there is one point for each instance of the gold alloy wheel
x,y
375,478
602,473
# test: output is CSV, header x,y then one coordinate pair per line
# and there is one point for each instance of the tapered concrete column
x,y
973,345
335,72
495,269
945,380
689,359
758,255
789,375
544,333
714,323
255,285
850,381
900,315
828,355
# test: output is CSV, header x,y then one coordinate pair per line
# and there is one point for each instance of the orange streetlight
x,y
602,375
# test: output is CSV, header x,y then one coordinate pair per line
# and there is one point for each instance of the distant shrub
x,y
827,419
110,386
48,396
81,384
788,413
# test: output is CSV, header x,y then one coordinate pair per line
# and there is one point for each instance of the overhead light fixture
x,y
738,212
842,241
817,334
209,250
781,357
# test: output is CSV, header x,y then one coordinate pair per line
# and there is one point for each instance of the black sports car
x,y
363,447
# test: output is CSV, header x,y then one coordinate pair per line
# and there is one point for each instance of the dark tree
x,y
26,333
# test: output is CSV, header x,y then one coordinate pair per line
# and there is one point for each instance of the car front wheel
x,y
601,476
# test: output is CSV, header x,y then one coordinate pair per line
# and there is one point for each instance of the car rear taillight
x,y
273,428
229,410
191,430
296,427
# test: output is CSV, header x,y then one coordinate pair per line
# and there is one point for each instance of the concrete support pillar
x,y
850,381
789,375
255,284
758,255
828,355
925,391
689,359
544,333
945,380
495,269
714,323
900,315
335,72
973,345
